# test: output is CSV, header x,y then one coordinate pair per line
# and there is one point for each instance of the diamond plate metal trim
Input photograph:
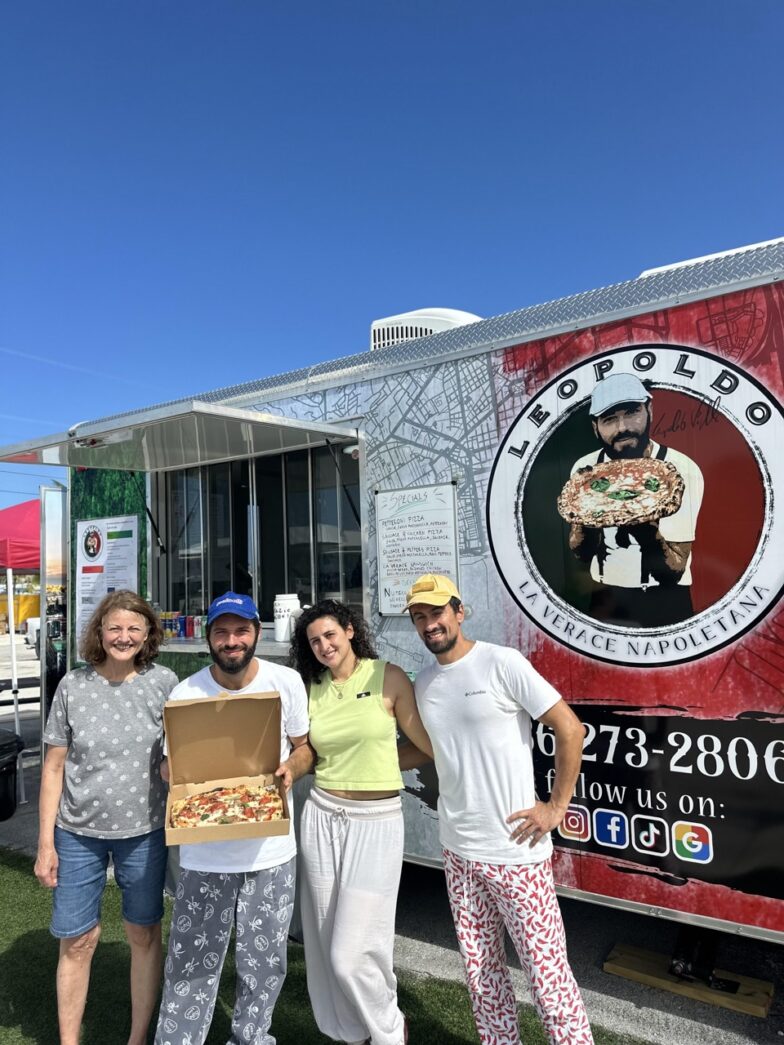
x,y
746,267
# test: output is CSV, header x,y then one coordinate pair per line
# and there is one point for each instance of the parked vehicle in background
x,y
55,645
31,628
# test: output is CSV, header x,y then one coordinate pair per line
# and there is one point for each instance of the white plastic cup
x,y
282,608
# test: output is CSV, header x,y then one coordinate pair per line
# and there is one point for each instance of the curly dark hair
x,y
90,646
301,656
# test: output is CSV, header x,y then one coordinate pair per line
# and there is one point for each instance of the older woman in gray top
x,y
101,794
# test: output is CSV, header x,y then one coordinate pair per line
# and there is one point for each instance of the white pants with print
x,y
485,898
258,904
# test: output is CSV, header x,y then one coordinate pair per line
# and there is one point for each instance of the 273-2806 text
x,y
705,754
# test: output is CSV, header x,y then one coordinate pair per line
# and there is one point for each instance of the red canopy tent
x,y
20,537
20,549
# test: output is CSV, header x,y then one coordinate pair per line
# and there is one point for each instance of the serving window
x,y
259,526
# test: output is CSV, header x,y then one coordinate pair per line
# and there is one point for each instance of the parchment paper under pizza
x,y
622,493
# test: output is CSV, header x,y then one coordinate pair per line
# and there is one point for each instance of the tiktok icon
x,y
650,835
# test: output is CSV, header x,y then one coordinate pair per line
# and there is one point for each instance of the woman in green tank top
x,y
351,844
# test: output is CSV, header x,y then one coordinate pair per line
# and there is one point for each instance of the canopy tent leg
x,y
9,575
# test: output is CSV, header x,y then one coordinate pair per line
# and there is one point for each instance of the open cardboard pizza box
x,y
219,742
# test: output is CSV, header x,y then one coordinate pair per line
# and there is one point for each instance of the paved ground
x,y
425,940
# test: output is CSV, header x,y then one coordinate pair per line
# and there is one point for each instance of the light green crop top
x,y
354,735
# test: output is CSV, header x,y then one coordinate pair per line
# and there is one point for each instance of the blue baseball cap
x,y
231,602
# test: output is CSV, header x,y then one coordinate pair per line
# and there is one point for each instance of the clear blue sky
x,y
196,194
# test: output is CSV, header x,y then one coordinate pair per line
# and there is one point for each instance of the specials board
x,y
416,531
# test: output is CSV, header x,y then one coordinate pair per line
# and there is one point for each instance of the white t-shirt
x,y
250,854
478,714
622,567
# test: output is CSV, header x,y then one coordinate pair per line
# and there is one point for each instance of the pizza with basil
x,y
625,492
243,804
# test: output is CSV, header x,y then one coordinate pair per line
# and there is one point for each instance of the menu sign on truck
x,y
417,533
659,619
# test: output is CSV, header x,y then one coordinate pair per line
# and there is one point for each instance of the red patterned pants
x,y
485,898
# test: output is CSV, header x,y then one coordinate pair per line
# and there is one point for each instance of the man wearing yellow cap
x,y
477,702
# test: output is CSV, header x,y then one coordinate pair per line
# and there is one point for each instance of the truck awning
x,y
182,435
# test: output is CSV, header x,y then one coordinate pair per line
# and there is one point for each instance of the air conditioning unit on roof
x,y
421,323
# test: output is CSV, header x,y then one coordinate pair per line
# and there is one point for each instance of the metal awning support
x,y
183,435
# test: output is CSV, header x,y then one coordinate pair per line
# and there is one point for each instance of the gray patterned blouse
x,y
113,731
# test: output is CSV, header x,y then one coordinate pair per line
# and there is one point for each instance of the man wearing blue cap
x,y
248,883
643,571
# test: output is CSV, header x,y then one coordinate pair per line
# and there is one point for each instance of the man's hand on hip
x,y
533,824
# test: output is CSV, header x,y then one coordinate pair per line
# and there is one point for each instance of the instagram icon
x,y
576,824
693,842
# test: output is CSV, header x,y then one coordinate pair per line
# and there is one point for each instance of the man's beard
x,y
635,449
234,665
441,645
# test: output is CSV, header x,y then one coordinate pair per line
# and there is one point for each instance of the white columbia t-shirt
x,y
478,714
250,854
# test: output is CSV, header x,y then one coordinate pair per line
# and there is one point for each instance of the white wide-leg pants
x,y
351,854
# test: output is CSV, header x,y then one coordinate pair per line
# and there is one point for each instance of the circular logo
x,y
674,450
92,542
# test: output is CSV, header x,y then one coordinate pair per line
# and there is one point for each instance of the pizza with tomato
x,y
243,804
625,492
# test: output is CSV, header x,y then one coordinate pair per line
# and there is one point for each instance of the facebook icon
x,y
611,828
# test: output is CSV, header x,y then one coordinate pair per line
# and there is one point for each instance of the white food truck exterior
x,y
679,803
465,440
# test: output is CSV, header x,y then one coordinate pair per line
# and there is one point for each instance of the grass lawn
x,y
438,1011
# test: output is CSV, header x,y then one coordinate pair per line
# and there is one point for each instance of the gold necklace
x,y
339,686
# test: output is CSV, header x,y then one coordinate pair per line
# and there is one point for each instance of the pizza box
x,y
219,742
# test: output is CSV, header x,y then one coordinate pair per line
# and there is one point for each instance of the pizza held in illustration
x,y
621,493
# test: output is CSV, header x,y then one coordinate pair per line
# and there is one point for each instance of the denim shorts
x,y
139,869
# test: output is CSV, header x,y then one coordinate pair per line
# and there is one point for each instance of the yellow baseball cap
x,y
433,589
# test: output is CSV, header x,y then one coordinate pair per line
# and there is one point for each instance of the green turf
x,y
438,1011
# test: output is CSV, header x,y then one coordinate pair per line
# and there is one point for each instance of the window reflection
x,y
185,542
228,504
298,526
295,515
272,543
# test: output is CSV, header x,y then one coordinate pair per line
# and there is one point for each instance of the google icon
x,y
693,842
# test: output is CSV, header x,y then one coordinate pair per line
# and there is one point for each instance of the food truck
x,y
450,453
